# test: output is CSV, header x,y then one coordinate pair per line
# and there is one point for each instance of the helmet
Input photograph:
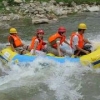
x,y
61,29
40,31
13,30
82,26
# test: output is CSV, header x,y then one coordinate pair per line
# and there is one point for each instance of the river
x,y
52,81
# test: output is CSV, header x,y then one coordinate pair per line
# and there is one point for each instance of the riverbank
x,y
41,12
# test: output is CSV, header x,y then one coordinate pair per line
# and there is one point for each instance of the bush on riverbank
x,y
76,1
11,2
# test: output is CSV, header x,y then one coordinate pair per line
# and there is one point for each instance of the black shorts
x,y
20,50
79,53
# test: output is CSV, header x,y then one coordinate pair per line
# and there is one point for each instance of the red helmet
x,y
40,31
61,29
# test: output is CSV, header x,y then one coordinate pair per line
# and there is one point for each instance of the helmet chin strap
x,y
60,33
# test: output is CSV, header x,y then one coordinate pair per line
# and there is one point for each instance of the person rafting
x,y
56,40
78,41
15,42
38,45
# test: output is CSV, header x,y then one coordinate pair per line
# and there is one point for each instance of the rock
x,y
73,4
31,1
44,4
18,1
39,21
41,12
61,3
4,25
7,8
5,3
15,16
93,8
52,2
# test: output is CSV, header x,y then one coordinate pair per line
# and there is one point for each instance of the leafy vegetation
x,y
11,2
76,1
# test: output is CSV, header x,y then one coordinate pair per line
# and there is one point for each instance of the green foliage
x,y
67,1
83,1
1,0
11,2
76,1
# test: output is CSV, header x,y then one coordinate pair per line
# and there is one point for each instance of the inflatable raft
x,y
93,58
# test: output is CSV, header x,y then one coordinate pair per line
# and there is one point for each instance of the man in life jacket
x,y
15,42
38,45
78,41
56,40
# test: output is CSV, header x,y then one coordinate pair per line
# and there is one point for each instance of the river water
x,y
51,81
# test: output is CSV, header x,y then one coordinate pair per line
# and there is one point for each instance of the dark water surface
x,y
26,29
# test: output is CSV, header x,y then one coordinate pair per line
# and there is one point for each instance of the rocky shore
x,y
41,12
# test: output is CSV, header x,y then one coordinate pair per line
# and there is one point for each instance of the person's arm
x,y
75,40
67,42
35,46
12,44
58,47
87,41
12,47
82,50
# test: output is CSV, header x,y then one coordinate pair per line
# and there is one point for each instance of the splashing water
x,y
61,81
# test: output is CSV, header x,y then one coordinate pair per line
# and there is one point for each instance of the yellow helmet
x,y
13,30
82,26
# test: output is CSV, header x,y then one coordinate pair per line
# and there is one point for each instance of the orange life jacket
x,y
17,40
40,44
54,37
81,39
